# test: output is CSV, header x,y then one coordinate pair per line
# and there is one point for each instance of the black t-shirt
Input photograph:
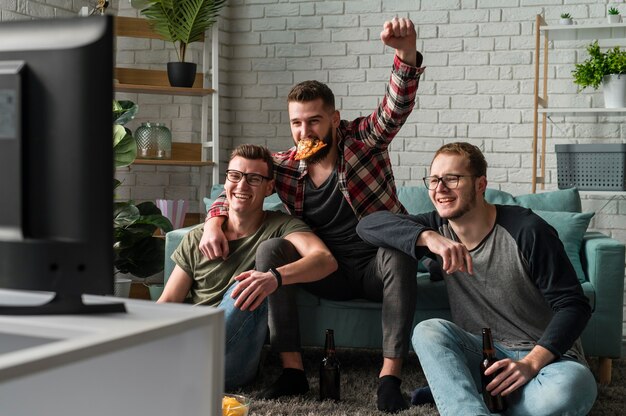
x,y
330,216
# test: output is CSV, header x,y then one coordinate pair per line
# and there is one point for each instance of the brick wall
x,y
478,86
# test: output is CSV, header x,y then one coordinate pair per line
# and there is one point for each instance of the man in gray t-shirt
x,y
506,269
267,250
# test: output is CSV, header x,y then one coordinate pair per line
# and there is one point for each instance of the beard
x,y
324,151
465,208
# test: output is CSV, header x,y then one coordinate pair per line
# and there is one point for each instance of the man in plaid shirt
x,y
331,191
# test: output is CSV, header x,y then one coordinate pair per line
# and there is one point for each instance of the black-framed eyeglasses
x,y
253,179
449,181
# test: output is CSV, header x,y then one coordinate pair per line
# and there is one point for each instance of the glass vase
x,y
154,141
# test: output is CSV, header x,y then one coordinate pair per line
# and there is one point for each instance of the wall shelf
x,y
149,81
183,154
588,32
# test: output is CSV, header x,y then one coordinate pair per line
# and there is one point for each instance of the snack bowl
x,y
235,405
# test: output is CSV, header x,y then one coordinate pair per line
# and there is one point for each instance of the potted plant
x,y
614,16
566,19
136,250
182,22
606,68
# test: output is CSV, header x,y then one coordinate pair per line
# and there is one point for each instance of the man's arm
x,y
177,287
415,235
383,124
316,262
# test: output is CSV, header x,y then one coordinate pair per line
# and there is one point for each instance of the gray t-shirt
x,y
524,287
212,278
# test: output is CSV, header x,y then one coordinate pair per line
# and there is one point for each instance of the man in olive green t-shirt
x,y
267,249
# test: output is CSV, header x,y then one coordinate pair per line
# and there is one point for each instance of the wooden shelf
x,y
585,32
148,81
593,111
183,154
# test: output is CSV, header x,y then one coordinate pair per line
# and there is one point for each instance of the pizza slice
x,y
308,147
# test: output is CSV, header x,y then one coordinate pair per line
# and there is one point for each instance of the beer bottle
x,y
495,404
329,370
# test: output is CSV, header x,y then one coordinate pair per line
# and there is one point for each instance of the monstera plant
x,y
137,251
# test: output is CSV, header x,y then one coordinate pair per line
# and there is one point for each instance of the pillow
x,y
560,200
571,227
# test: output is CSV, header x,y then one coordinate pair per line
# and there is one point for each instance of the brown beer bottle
x,y
329,370
495,404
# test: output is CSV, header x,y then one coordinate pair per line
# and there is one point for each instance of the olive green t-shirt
x,y
212,278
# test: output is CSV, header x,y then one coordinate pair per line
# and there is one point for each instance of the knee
x,y
396,262
570,392
275,252
430,333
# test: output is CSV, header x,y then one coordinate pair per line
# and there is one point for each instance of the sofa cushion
x,y
571,227
561,200
416,200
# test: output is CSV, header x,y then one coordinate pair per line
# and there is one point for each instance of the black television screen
x,y
56,161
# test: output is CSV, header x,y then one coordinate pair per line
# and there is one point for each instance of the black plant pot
x,y
181,74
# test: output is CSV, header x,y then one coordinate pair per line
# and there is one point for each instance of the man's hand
x,y
253,288
514,374
400,34
454,255
213,243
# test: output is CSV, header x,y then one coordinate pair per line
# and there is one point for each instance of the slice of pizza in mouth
x,y
308,147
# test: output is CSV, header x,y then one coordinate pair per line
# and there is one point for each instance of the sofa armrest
x,y
172,240
603,262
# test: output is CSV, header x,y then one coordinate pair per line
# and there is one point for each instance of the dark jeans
x,y
387,277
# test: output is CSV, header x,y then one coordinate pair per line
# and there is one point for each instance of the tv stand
x,y
109,364
63,304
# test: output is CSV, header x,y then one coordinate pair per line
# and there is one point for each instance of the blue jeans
x,y
245,335
450,358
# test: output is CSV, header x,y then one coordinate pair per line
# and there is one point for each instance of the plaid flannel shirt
x,y
364,169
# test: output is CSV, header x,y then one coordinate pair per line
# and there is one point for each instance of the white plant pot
x,y
614,89
121,287
566,22
614,18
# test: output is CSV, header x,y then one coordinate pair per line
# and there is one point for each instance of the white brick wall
x,y
478,85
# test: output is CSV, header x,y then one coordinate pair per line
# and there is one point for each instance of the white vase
x,y
121,287
614,18
566,22
614,89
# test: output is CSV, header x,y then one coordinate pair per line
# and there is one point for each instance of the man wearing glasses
x,y
349,177
506,269
267,249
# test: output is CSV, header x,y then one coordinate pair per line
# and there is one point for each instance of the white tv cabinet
x,y
111,364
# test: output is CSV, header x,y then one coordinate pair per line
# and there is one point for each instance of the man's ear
x,y
481,184
336,118
269,189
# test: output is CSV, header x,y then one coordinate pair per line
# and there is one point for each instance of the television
x,y
56,162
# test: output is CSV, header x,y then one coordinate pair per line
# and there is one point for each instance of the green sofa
x,y
599,261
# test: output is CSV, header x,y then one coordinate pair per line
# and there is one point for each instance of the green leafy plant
x,y
613,11
182,21
124,145
590,72
566,16
136,249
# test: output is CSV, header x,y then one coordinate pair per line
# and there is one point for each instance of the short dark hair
x,y
311,91
477,162
255,152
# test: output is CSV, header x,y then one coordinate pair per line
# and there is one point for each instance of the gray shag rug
x,y
359,380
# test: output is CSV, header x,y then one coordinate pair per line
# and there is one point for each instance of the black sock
x,y
421,396
292,382
390,398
